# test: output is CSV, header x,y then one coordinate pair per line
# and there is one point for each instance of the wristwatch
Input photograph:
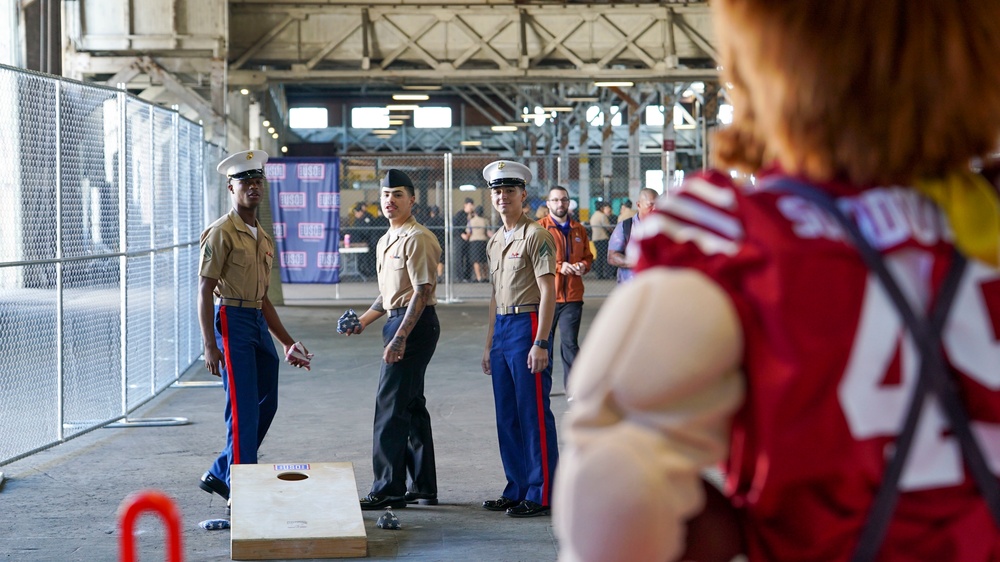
x,y
544,344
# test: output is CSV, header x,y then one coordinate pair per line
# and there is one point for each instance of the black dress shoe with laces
x,y
421,497
499,504
213,485
379,502
528,509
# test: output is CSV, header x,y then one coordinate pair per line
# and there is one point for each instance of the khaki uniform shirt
x,y
241,263
515,265
599,226
407,259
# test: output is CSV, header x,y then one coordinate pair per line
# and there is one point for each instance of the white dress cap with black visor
x,y
243,165
504,173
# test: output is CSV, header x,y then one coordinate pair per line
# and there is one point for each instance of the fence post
x,y
60,316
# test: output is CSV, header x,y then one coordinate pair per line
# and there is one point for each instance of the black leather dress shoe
x,y
213,485
421,497
528,509
380,502
499,504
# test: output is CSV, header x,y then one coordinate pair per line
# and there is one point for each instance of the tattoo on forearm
x,y
413,311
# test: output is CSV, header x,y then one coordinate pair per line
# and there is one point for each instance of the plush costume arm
x,y
654,388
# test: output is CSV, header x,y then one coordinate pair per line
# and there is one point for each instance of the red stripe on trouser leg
x,y
543,443
234,418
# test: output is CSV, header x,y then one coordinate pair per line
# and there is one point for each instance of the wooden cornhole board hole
x,y
288,511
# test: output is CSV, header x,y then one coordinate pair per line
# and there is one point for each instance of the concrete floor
x,y
61,504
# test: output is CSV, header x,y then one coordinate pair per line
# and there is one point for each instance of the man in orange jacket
x,y
573,260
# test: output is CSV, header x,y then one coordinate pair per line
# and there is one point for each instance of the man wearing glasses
x,y
573,260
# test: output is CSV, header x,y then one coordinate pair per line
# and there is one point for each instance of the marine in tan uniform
x,y
522,267
407,259
236,258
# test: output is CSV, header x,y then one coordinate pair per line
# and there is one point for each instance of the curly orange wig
x,y
871,93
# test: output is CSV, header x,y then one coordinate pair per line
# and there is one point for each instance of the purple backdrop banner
x,y
305,196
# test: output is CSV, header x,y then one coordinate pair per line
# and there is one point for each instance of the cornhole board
x,y
288,511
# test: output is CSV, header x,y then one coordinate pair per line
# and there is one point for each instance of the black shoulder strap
x,y
934,377
627,228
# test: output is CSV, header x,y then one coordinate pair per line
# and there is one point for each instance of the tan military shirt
x,y
230,254
515,265
406,259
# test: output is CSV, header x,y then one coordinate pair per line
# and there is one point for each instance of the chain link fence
x,y
98,256
452,202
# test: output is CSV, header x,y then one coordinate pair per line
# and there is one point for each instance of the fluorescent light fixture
x,y
471,143
467,187
411,97
284,149
267,123
396,122
384,132
556,108
244,91
582,98
401,116
425,87
614,84
503,128
404,107
520,123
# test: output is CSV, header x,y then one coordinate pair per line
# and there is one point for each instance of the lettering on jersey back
x,y
888,217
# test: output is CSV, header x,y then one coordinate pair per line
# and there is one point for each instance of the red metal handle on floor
x,y
134,506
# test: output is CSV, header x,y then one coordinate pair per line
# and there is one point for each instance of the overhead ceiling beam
x,y
502,96
557,43
465,76
482,43
329,47
489,101
627,42
696,37
410,43
185,94
263,41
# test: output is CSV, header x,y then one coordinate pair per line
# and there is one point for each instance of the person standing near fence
x,y
236,258
618,242
460,222
408,256
600,227
573,260
523,266
479,234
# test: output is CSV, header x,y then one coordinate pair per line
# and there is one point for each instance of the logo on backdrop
x,y
310,171
312,230
306,196
328,200
293,260
292,200
274,171
328,260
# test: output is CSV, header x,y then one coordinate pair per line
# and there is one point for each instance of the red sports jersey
x,y
830,368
